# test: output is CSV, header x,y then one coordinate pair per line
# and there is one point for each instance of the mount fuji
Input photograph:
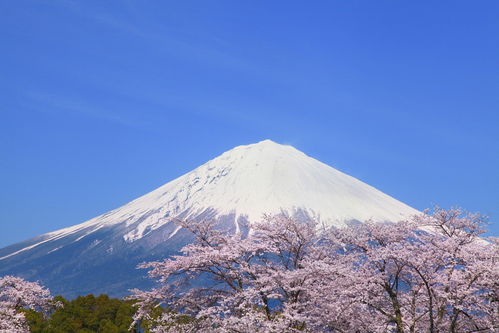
x,y
235,189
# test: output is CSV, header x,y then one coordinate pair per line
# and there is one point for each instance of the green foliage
x,y
90,314
85,314
36,320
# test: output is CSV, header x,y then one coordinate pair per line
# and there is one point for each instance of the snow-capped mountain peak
x,y
236,188
257,179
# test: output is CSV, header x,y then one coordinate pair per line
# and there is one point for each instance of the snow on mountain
x,y
265,177
249,181
242,184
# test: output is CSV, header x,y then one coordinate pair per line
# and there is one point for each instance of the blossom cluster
x,y
431,273
17,294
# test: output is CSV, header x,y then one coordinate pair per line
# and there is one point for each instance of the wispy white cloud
x,y
54,103
199,46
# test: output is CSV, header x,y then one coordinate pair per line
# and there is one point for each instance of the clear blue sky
x,y
103,101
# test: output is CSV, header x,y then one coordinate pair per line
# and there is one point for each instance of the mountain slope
x,y
236,189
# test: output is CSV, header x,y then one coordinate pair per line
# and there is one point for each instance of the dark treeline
x,y
85,314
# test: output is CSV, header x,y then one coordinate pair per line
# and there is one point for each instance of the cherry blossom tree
x,y
17,294
229,284
432,273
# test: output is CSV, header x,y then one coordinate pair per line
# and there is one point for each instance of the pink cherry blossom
x,y
17,294
432,273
